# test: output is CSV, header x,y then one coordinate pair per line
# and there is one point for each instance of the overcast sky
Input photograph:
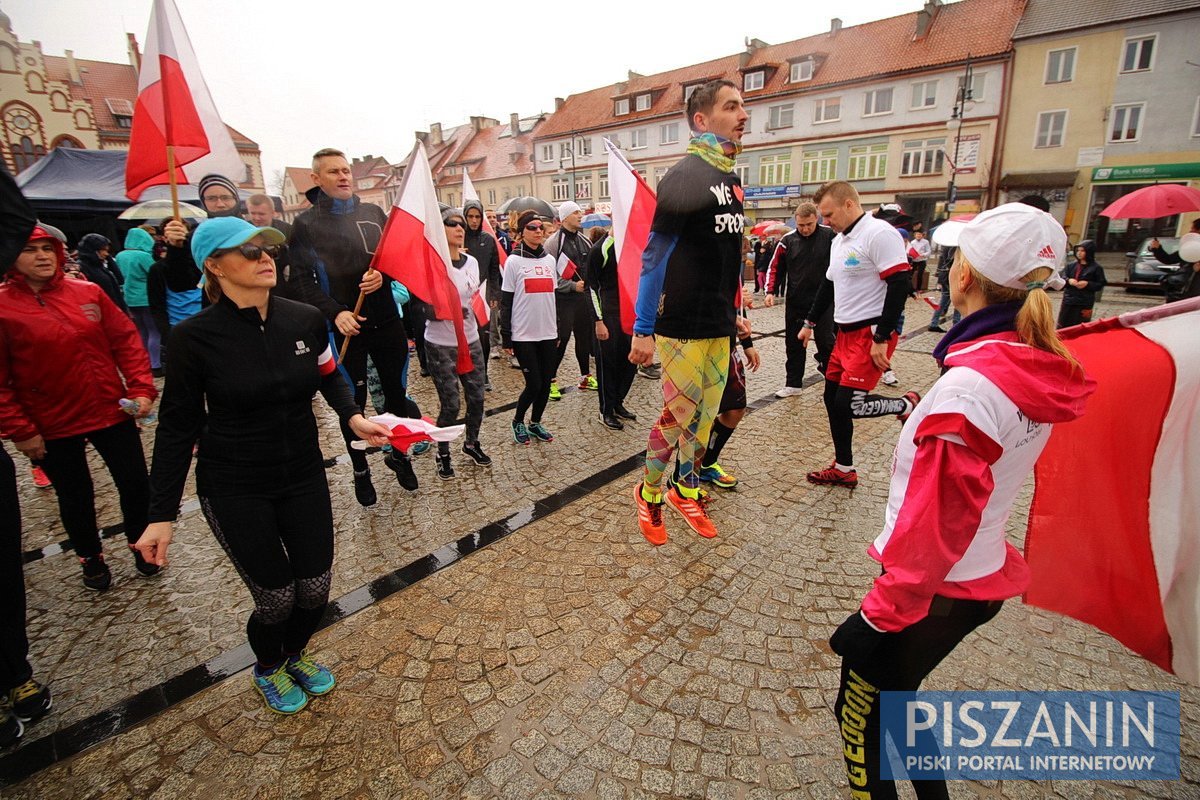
x,y
363,75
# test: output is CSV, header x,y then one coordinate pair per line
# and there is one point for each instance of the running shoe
x,y
694,510
40,479
650,520
611,421
520,433
652,372
624,413
96,575
420,448
144,567
402,466
539,431
832,476
555,392
279,690
717,476
30,701
889,378
310,676
11,729
445,470
474,451
789,391
364,490
588,382
913,399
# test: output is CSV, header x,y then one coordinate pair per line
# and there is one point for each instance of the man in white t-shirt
x,y
867,282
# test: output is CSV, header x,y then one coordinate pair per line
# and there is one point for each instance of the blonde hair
x,y
212,285
1035,320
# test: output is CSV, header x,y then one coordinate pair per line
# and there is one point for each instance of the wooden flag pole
x,y
346,339
171,179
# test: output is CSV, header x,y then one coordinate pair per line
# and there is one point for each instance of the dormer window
x,y
753,80
621,107
801,71
642,102
121,110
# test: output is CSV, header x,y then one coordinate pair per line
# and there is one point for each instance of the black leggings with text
x,y
537,360
844,405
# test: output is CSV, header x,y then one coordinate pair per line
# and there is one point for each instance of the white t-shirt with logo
x,y
859,263
532,282
466,281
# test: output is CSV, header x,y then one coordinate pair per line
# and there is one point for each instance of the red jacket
x,y
63,353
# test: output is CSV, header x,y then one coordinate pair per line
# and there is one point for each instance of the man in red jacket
x,y
68,356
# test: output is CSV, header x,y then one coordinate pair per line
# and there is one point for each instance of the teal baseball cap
x,y
225,232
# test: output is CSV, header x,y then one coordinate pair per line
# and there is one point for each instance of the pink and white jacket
x,y
962,458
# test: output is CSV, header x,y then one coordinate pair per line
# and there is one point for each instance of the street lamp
x,y
562,164
961,98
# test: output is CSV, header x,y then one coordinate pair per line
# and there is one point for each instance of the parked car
x,y
1143,267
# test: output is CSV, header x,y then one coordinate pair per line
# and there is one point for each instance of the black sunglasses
x,y
251,252
533,226
454,223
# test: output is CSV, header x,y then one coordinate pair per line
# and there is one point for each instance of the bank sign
x,y
1147,172
1030,735
771,192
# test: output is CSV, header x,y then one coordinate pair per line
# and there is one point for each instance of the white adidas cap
x,y
1006,242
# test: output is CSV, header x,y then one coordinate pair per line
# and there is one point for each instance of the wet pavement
x,y
509,633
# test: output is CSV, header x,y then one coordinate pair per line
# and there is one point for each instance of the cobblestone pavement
x,y
568,659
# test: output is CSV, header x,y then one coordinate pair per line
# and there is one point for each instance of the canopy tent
x,y
83,191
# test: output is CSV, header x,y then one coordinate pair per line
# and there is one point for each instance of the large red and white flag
x,y
633,204
469,193
414,251
1114,528
174,109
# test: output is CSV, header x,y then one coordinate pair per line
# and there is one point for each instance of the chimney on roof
x,y
925,17
480,123
632,75
435,133
514,123
835,25
73,68
559,103
135,53
754,44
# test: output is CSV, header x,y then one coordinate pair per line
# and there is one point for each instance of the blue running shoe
x,y
520,433
717,476
280,692
421,448
539,431
309,675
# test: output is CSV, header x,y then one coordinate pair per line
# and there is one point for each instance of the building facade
x,y
1107,101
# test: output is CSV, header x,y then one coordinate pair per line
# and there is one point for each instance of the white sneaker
x,y
789,391
889,378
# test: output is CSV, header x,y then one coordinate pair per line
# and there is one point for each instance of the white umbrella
x,y
161,209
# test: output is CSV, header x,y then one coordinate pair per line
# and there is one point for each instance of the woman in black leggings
x,y
240,380
529,323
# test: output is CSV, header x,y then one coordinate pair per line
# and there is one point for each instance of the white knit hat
x,y
567,209
1006,242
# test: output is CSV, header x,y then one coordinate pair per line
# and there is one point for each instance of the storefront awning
x,y
1039,180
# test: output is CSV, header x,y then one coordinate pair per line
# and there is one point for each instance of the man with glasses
x,y
334,241
482,247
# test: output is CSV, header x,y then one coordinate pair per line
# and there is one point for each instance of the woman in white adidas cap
x,y
962,457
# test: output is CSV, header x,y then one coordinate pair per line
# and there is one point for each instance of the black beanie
x,y
220,180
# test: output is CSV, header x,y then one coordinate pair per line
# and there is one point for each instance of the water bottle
x,y
130,407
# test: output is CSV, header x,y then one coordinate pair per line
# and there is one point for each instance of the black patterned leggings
x,y
282,546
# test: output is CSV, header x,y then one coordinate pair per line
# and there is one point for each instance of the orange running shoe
x,y
650,519
40,479
695,512
832,476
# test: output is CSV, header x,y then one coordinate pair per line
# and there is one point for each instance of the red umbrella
x,y
1151,202
761,228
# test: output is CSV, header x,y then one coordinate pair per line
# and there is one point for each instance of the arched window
x,y
8,59
25,154
34,82
58,101
82,121
66,141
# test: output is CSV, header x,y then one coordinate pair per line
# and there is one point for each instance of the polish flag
x,y
1112,538
413,250
566,267
174,109
405,432
633,204
469,193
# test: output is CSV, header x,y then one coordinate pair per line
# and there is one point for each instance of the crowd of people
x,y
246,319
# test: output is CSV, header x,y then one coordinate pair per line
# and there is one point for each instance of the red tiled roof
x,y
301,177
979,28
104,79
489,155
376,167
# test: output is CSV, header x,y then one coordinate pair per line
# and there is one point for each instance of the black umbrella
x,y
527,203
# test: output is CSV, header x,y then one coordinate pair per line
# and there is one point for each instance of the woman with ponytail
x,y
963,455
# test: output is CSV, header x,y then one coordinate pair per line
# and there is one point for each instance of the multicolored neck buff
x,y
716,150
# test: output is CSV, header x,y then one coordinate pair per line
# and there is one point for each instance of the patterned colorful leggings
x,y
694,372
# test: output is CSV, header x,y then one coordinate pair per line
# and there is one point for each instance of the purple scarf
x,y
984,322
